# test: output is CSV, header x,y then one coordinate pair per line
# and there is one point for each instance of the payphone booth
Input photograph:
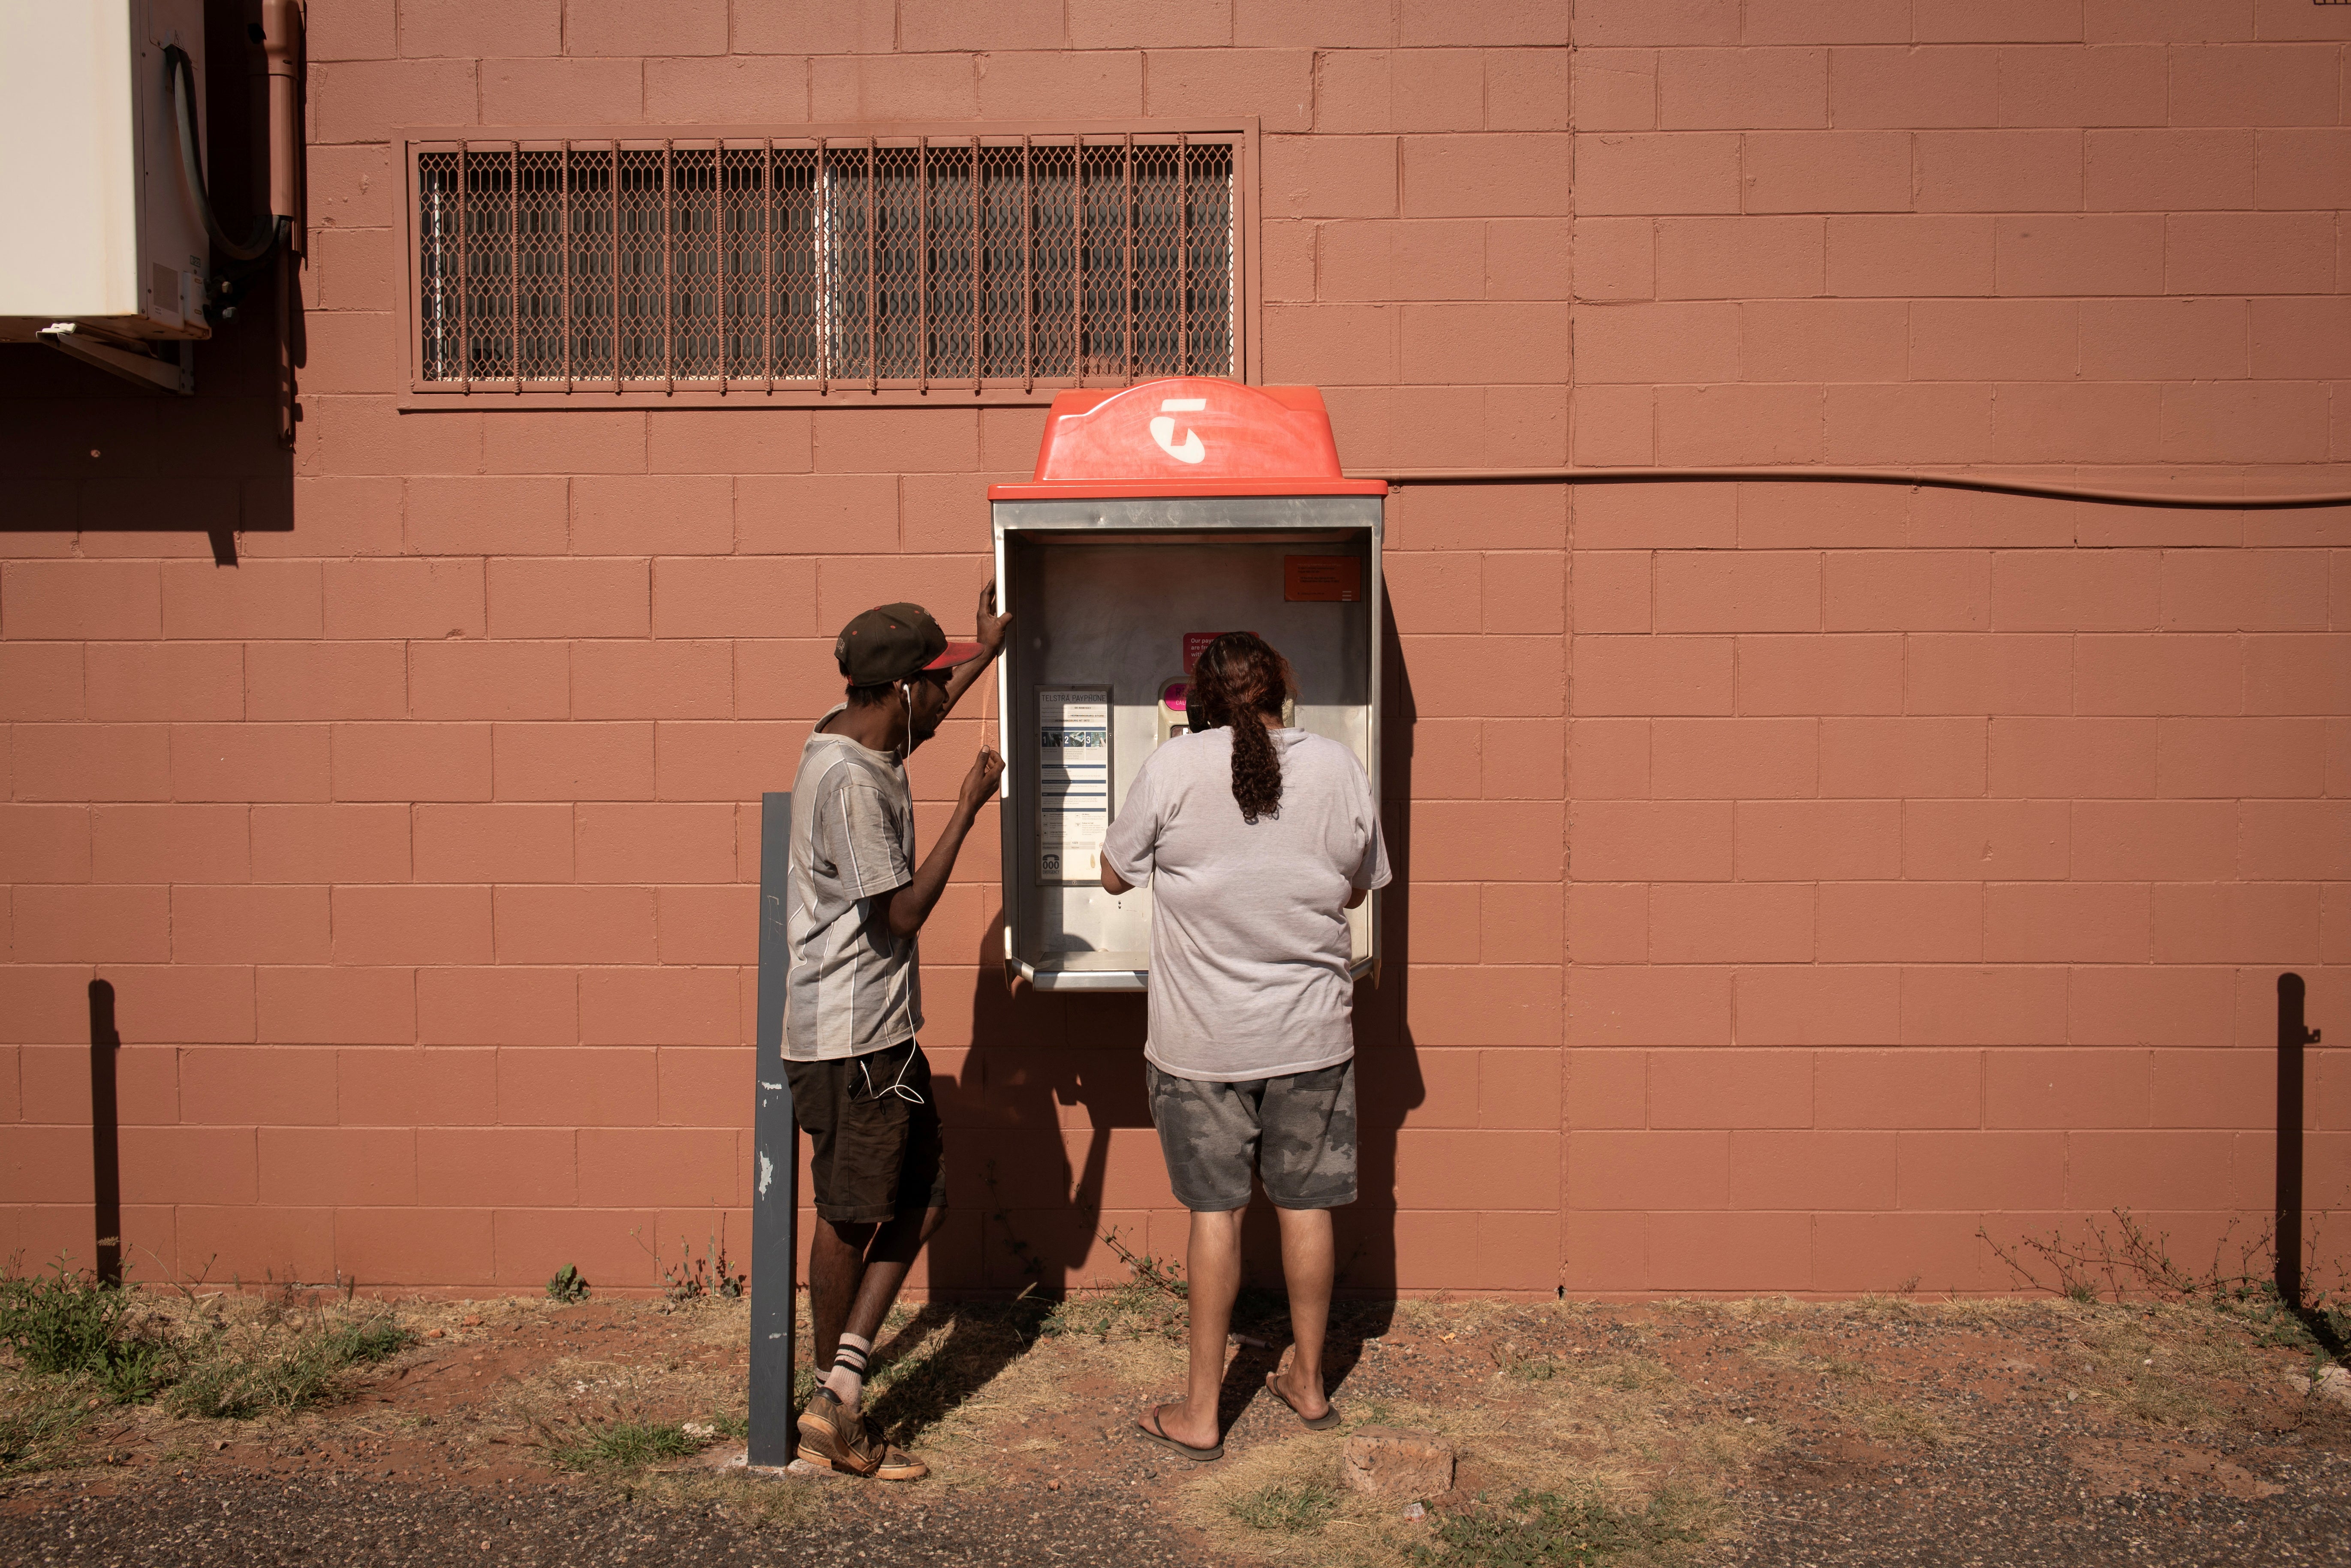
x,y
1160,515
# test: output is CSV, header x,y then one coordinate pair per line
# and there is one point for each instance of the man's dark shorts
x,y
875,1123
1298,1131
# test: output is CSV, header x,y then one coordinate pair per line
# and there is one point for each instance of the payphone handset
x,y
1175,715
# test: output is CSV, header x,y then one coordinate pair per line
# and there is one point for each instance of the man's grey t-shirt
x,y
1248,929
852,986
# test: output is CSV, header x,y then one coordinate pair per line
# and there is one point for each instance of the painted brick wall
x,y
1830,872
1934,856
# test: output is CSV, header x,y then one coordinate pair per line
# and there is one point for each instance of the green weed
x,y
1287,1509
620,1444
1151,1303
693,1279
69,1323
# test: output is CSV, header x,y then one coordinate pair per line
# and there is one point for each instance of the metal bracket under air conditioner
x,y
148,369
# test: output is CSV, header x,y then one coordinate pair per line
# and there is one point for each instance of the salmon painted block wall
x,y
1933,854
1794,878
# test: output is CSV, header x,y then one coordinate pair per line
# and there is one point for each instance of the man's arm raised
x,y
906,908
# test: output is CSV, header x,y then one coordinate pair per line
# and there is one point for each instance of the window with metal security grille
x,y
820,267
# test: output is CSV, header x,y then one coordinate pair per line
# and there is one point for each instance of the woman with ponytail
x,y
1255,839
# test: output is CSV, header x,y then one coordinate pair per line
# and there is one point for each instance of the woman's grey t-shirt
x,y
1248,929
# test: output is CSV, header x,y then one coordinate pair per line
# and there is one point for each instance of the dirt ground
x,y
1889,1430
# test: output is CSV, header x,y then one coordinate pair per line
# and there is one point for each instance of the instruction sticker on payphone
x,y
1072,782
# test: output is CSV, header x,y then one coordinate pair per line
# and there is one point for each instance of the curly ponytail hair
x,y
1238,677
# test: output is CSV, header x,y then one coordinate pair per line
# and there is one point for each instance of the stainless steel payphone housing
x,y
1161,515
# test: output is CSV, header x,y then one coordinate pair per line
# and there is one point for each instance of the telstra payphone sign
x,y
1160,515
1191,449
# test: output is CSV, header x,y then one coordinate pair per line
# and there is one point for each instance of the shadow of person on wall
x,y
1041,1061
1026,1214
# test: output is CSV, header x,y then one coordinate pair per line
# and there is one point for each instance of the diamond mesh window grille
x,y
899,264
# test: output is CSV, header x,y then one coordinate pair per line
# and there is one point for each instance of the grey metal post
x,y
775,1170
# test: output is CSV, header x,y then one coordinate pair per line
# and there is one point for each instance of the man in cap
x,y
861,1086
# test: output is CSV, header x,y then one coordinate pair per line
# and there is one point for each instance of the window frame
x,y
422,395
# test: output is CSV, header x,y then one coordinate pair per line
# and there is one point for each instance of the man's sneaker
x,y
852,1445
821,1420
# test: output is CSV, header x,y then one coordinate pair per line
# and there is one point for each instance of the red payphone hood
x,y
1187,435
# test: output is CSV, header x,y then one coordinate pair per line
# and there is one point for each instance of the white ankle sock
x,y
847,1378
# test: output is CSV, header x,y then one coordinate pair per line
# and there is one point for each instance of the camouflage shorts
x,y
1298,1131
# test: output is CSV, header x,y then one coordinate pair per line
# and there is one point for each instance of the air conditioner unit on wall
x,y
103,231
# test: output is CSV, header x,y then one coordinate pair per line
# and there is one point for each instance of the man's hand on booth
x,y
991,625
990,638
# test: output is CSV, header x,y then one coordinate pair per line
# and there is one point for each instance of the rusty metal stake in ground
x,y
2293,1035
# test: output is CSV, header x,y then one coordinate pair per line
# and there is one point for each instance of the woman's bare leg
x,y
1212,1266
1309,1261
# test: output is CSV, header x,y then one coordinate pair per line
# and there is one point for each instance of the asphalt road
x,y
2022,1502
2000,1506
215,1520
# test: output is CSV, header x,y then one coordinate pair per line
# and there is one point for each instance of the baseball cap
x,y
893,641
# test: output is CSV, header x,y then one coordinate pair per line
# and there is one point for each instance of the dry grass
x,y
992,1370
1239,1503
1285,1501
1806,1352
38,1424
1892,1422
2150,1364
1552,1436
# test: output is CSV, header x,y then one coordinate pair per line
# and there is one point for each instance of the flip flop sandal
x,y
1197,1455
1322,1423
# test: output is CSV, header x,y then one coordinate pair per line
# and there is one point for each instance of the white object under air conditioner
x,y
101,230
